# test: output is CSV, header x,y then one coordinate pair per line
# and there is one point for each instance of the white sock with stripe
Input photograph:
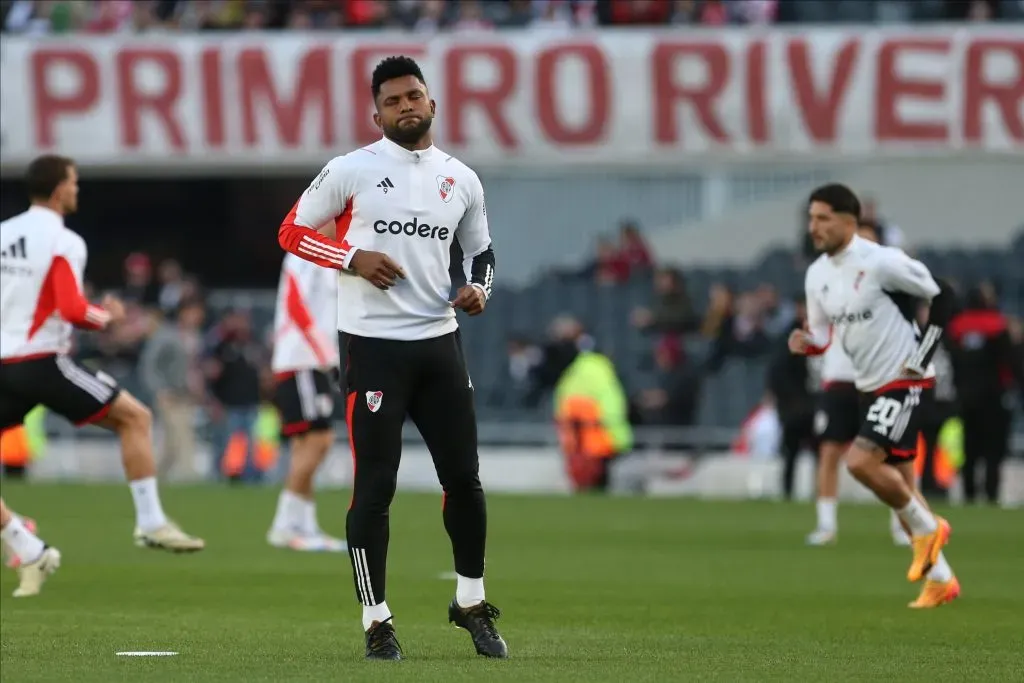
x,y
23,543
149,513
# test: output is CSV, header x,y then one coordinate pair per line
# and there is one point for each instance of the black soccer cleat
x,y
381,642
479,621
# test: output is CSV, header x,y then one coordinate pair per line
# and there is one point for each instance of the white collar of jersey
x,y
397,151
46,211
839,256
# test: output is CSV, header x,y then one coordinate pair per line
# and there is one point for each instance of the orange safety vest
x,y
942,465
15,450
584,440
237,451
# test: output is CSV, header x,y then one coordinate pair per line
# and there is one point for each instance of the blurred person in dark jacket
x,y
740,331
789,381
671,311
236,370
566,339
986,365
673,401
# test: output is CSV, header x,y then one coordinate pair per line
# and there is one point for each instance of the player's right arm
x,y
816,339
324,201
65,282
308,228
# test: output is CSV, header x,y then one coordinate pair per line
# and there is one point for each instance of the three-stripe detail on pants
x,y
362,570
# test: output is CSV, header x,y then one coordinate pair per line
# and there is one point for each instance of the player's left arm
x,y
899,272
474,237
65,280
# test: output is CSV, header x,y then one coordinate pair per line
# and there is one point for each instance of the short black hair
x,y
839,197
45,173
394,67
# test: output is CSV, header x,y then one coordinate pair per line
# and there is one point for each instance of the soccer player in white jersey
x,y
864,297
41,299
35,560
305,355
403,201
836,423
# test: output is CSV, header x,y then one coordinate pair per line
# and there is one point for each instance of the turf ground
x,y
593,590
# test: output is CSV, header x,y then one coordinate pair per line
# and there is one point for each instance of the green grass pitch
x,y
592,589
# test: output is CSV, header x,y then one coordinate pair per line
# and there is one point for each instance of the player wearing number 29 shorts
x,y
864,296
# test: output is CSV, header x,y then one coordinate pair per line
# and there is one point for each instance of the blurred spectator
x,y
236,369
566,338
674,400
633,247
778,316
469,17
740,330
671,311
517,380
610,266
139,287
171,285
791,384
986,366
171,372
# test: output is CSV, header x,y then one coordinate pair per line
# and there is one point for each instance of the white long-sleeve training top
x,y
864,298
410,205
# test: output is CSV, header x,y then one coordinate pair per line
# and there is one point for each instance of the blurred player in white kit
x,y
42,263
836,423
305,357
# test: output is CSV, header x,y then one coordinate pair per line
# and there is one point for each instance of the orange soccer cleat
x,y
936,593
927,549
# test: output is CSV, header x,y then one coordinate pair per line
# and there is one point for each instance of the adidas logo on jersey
x,y
386,185
15,250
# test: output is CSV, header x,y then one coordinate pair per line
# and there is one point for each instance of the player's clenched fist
x,y
471,299
376,268
799,342
112,305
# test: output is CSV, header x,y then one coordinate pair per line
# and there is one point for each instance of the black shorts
x,y
838,416
893,416
305,401
57,382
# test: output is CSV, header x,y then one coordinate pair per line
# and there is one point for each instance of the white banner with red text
x,y
248,102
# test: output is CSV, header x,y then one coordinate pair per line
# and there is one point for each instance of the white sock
x,y
310,525
894,524
379,613
468,592
149,514
827,520
941,571
289,512
23,543
919,518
